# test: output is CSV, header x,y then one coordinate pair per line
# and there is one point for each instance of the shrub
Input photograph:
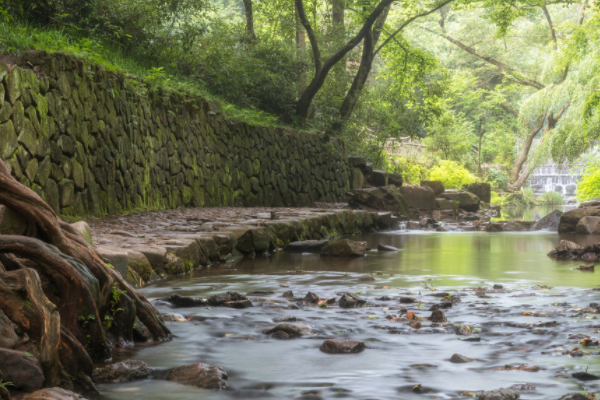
x,y
589,187
496,199
412,172
525,197
451,174
498,178
551,198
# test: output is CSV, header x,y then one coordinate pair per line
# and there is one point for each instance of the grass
x,y
16,38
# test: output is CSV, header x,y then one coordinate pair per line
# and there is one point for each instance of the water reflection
x,y
529,213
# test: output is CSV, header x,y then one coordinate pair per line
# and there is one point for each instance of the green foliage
x,y
451,174
589,187
450,136
411,171
551,198
525,197
498,178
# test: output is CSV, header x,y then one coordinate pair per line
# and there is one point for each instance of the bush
x,y
498,178
412,172
589,187
551,198
526,197
451,174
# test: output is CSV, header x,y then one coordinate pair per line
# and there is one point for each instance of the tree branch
x,y
550,24
311,35
411,19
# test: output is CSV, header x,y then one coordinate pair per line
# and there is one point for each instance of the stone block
x,y
379,178
419,197
483,190
395,179
437,186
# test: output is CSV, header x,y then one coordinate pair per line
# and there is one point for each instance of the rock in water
x,y
311,298
549,222
124,371
588,226
584,376
23,371
385,247
222,298
185,301
466,200
306,246
437,316
344,248
350,300
574,396
53,394
334,346
459,359
292,329
200,375
499,394
586,267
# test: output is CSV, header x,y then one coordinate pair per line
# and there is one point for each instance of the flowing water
x,y
397,357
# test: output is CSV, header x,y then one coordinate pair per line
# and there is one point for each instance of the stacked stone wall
x,y
92,141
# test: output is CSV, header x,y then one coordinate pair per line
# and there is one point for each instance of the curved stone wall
x,y
92,141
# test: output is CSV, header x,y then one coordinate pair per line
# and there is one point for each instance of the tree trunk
x,y
82,287
301,47
524,151
249,20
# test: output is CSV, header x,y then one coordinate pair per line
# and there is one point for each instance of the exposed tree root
x,y
57,289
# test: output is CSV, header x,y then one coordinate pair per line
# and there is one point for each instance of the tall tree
x,y
248,11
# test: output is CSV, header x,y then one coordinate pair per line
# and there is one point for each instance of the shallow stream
x,y
397,357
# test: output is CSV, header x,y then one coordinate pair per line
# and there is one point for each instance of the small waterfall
x,y
402,226
555,178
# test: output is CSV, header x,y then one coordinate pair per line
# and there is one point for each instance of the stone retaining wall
x,y
91,141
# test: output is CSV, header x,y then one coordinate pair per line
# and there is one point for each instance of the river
x,y
397,357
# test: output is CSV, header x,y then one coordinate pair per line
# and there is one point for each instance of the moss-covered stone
x,y
67,192
8,140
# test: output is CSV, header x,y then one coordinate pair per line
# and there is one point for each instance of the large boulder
x,y
420,197
379,178
590,203
344,248
23,371
437,186
483,190
200,375
549,222
569,219
387,198
53,394
445,204
465,200
124,371
588,226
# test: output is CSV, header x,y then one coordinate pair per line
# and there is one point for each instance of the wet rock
x,y
522,367
586,267
306,246
287,318
471,339
437,316
460,359
584,376
498,286
415,324
334,346
351,300
238,304
419,197
385,247
200,375
124,371
222,298
292,329
288,294
466,200
84,230
141,333
344,248
549,222
366,278
574,396
564,247
513,226
407,300
436,186
186,301
446,205
494,227
440,306
387,198
463,330
383,298
311,298
53,394
589,257
588,226
482,190
280,335
424,222
173,318
24,372
261,293
499,394
570,219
